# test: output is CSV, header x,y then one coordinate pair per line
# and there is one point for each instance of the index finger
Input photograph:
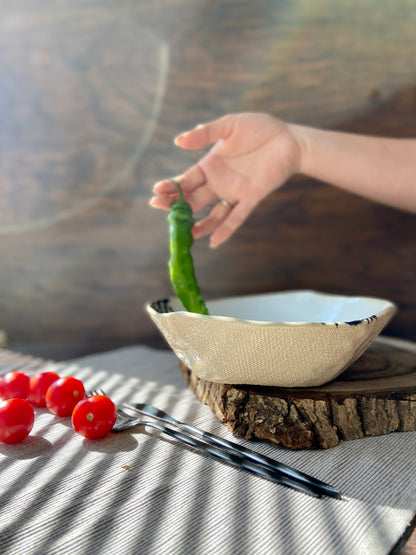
x,y
206,133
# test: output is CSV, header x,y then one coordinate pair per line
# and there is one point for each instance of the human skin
x,y
253,154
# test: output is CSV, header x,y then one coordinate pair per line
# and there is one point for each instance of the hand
x,y
253,154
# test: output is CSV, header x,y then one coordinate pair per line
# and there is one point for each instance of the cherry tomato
x,y
39,385
94,416
63,395
14,384
16,420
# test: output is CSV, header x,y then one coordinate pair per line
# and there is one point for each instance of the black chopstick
x,y
234,460
270,467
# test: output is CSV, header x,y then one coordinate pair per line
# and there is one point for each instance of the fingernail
x,y
185,133
180,137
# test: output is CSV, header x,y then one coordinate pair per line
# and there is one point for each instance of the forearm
x,y
380,169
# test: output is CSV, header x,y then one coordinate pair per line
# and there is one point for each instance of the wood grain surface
x,y
91,97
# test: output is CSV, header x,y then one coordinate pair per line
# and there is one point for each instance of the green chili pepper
x,y
181,267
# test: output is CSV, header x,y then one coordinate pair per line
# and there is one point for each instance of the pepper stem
x,y
178,187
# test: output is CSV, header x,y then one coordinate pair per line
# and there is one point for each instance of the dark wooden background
x,y
91,96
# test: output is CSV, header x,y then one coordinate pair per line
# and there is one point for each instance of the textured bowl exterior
x,y
292,354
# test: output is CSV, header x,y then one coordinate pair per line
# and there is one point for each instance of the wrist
x,y
303,138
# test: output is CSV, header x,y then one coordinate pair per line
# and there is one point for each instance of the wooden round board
x,y
376,395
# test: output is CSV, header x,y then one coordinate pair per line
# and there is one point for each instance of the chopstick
x,y
253,461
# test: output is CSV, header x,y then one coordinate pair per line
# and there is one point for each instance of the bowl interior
x,y
295,306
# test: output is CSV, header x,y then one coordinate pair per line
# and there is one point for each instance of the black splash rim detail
x,y
162,306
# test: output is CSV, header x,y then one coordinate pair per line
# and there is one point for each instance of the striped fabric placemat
x,y
140,492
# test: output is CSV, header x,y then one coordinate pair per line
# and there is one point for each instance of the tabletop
x,y
139,492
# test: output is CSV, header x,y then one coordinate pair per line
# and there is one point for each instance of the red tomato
x,y
63,395
39,385
16,420
14,384
94,416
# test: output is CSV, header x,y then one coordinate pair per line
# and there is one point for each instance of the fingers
x,y
207,133
222,222
192,184
162,201
192,178
207,225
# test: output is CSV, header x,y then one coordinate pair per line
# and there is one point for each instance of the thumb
x,y
206,133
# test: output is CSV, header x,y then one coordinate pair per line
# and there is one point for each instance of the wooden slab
x,y
375,396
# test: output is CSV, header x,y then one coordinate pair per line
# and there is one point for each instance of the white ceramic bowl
x,y
288,339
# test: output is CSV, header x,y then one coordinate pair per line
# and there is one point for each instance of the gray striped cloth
x,y
139,492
